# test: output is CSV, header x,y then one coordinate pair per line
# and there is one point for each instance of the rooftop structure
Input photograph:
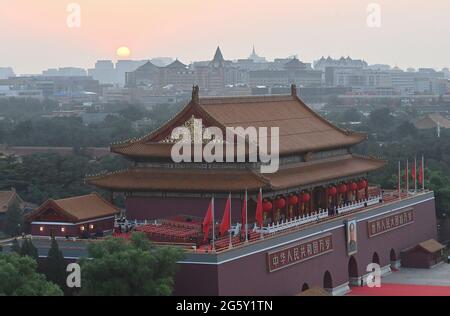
x,y
73,216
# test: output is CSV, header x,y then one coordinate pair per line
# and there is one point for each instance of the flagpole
x,y
246,217
231,244
213,226
399,181
407,178
423,174
415,174
262,224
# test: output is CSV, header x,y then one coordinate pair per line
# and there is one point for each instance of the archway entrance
x,y
376,258
352,268
393,258
327,281
353,271
392,255
305,287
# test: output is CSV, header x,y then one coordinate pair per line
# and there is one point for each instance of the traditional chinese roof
x,y
7,198
234,180
77,208
432,120
429,246
176,64
301,129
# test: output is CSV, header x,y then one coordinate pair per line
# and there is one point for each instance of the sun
x,y
123,52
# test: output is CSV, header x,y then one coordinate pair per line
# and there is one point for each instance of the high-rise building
x,y
6,72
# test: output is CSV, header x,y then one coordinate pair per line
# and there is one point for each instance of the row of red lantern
x,y
344,188
281,201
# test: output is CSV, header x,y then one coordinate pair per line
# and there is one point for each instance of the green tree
x,y
406,129
15,246
13,220
121,268
381,118
55,266
19,278
351,115
28,249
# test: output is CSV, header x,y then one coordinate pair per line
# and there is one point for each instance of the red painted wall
x,y
72,230
249,275
151,208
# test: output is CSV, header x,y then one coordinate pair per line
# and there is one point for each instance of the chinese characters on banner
x,y
391,222
300,252
351,236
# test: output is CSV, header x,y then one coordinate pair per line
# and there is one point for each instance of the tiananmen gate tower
x,y
323,220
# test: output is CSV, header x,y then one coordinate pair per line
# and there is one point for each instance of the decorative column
x,y
293,202
366,184
267,207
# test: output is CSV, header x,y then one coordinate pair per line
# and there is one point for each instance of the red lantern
x,y
353,186
342,188
362,184
280,203
332,191
306,197
267,206
293,200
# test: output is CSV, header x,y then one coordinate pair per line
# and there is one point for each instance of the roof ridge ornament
x,y
195,95
293,90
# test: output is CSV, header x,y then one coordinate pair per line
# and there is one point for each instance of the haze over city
x,y
230,148
191,29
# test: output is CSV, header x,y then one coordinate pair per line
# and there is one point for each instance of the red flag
x,y
259,210
420,174
207,221
243,211
414,172
225,225
406,173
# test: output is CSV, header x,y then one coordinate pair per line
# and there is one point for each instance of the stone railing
x,y
360,204
293,222
321,214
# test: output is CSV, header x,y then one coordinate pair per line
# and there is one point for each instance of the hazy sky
x,y
34,34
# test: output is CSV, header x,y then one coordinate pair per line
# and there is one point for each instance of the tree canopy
x,y
19,278
28,249
39,177
55,266
134,268
13,225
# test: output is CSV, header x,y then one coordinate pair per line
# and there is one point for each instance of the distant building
x,y
7,199
64,89
254,57
342,62
432,121
104,71
424,255
6,72
124,66
65,72
81,216
7,91
146,96
212,76
293,72
22,151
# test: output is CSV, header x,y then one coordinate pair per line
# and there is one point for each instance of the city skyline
x,y
305,28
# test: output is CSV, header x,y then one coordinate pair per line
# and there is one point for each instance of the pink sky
x,y
34,35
